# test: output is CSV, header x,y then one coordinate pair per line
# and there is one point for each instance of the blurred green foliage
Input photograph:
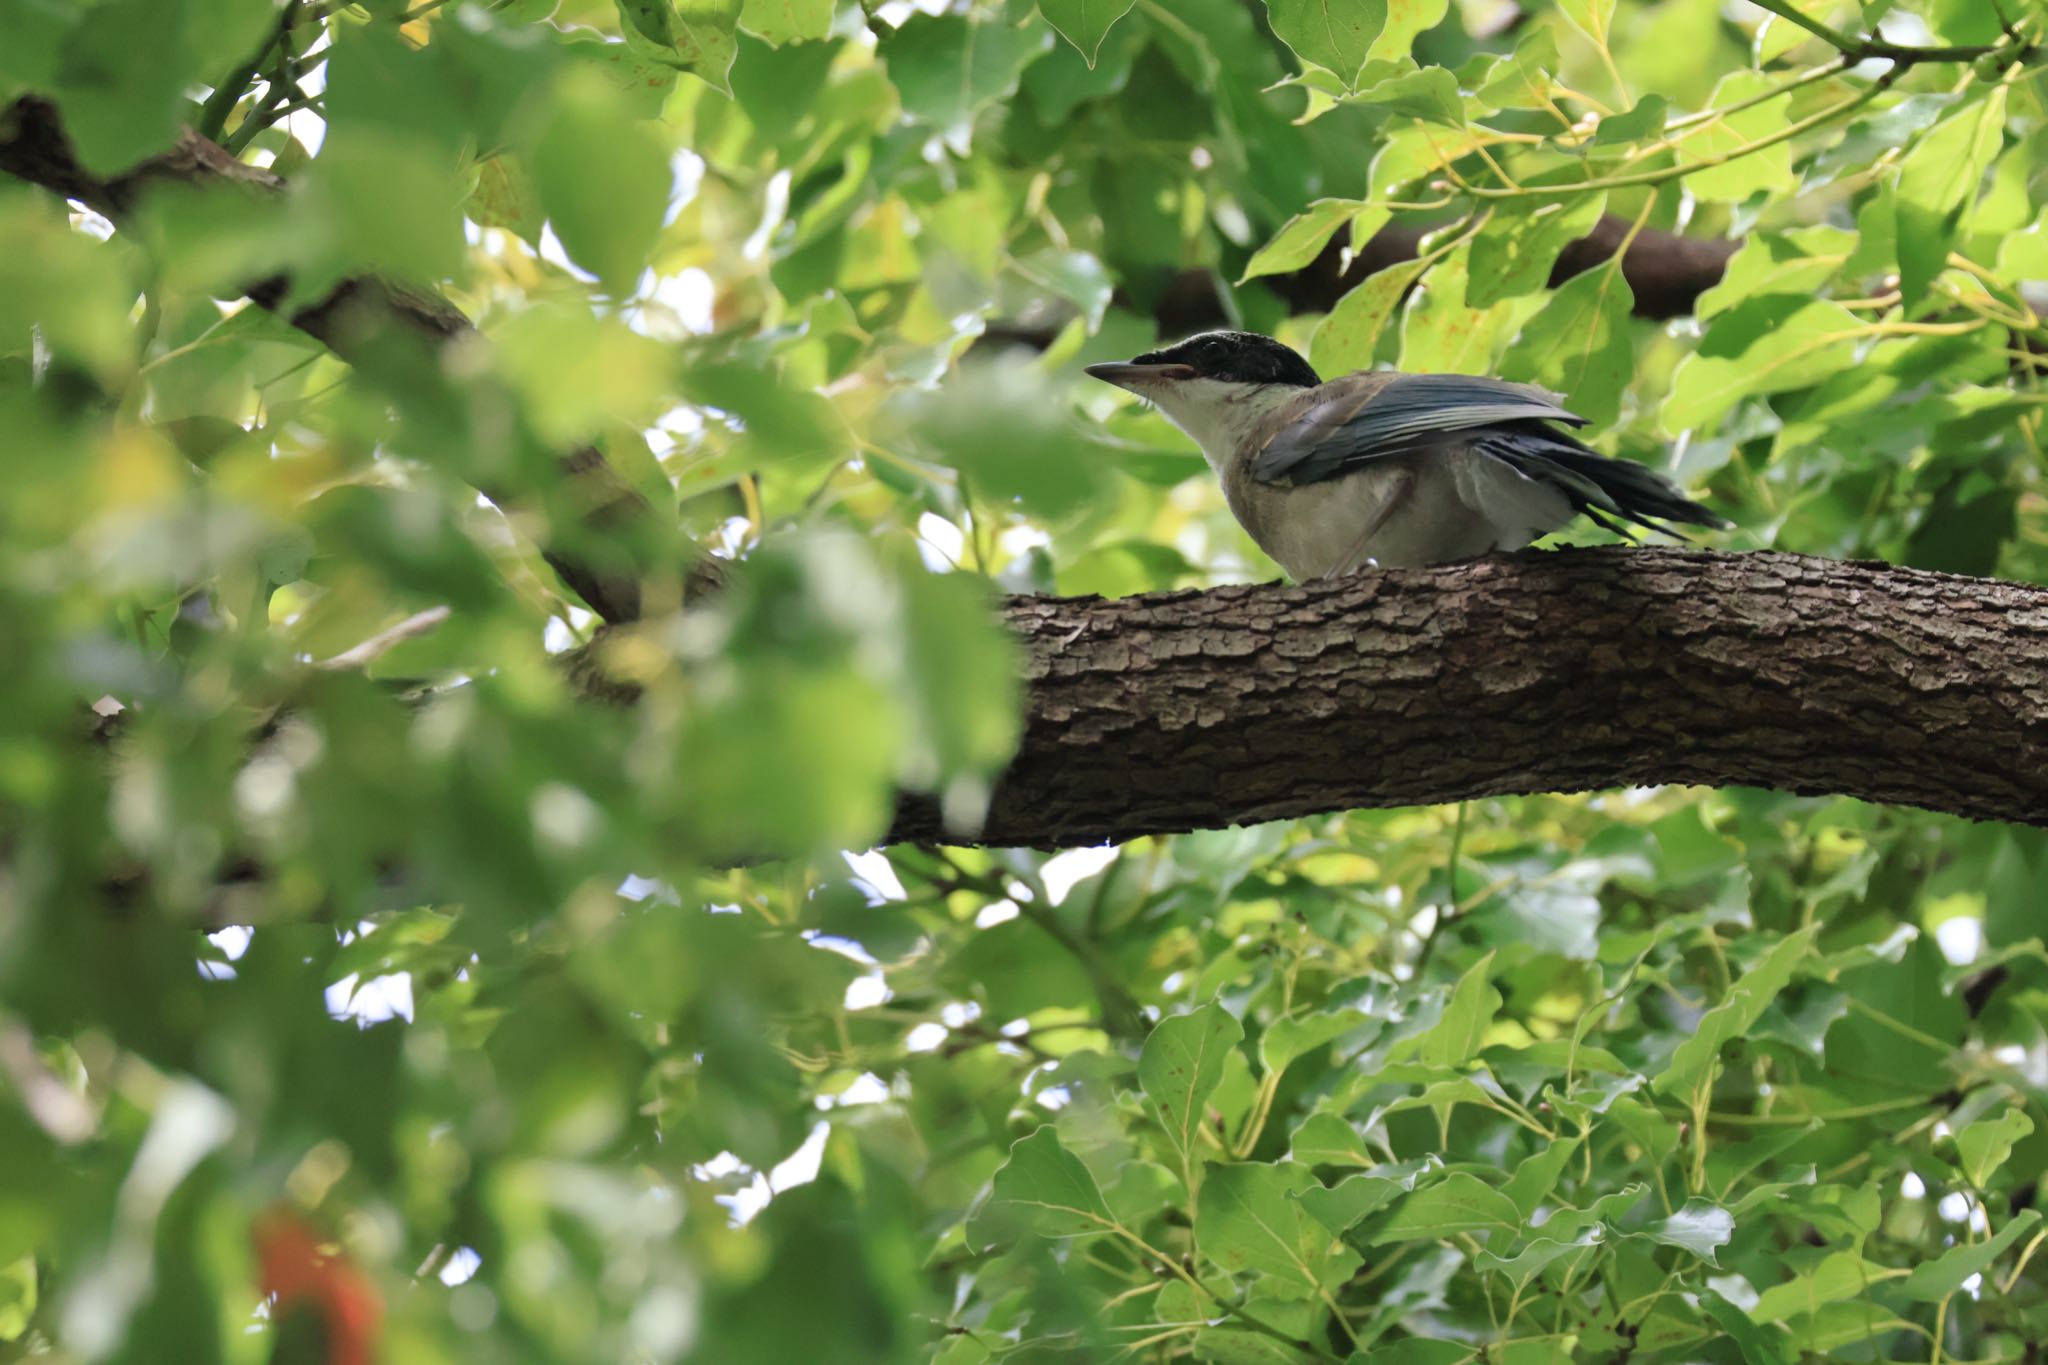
x,y
366,994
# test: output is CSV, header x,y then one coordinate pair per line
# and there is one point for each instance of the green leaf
x,y
1741,172
697,36
18,1286
1766,345
1692,1065
2024,254
1515,252
1405,20
962,671
787,21
1701,1227
1933,1281
603,178
1535,1180
947,68
1179,1067
1430,94
653,19
1759,1344
1286,1039
1041,1188
1325,1139
122,67
1938,180
1533,1259
1985,1144
65,284
1839,1275
1084,23
1343,1205
1334,34
1247,1221
580,372
1566,1224
505,197
1347,339
1302,238
1594,18
1242,1346
1776,35
1075,276
1795,262
1420,1351
392,204
630,70
1645,120
1458,1035
1580,344
1005,428
1457,1203
1521,80
1837,1325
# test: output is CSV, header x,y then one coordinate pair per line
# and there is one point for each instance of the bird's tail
x,y
1609,490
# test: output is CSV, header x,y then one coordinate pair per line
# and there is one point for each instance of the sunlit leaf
x,y
1350,336
1692,1065
1084,23
787,21
1938,179
1302,238
1457,1203
1042,1188
1580,344
1336,34
1180,1066
1247,1221
1932,1281
603,178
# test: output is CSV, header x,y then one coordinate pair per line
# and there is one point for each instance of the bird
x,y
1384,468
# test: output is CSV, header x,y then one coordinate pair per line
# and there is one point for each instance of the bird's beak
x,y
1124,374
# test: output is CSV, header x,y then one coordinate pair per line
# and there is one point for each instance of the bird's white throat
x,y
1217,413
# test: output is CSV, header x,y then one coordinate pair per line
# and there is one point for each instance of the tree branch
x,y
1667,272
606,540
1538,672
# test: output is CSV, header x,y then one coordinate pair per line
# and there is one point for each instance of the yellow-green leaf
x,y
1085,23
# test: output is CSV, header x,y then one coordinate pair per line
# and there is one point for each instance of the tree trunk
x,y
1537,672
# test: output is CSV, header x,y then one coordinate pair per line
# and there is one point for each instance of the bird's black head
x,y
1232,357
1236,357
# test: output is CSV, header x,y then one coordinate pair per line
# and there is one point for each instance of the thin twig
x,y
384,641
1866,48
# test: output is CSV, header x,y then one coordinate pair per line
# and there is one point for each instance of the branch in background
x,y
370,323
1565,671
1667,272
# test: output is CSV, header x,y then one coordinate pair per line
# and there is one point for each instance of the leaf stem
x,y
1864,49
1679,172
1800,81
1193,1282
213,115
1449,908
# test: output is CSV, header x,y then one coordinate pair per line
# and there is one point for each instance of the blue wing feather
x,y
1407,414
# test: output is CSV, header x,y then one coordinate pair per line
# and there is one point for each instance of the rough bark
x,y
1534,673
363,320
1538,672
